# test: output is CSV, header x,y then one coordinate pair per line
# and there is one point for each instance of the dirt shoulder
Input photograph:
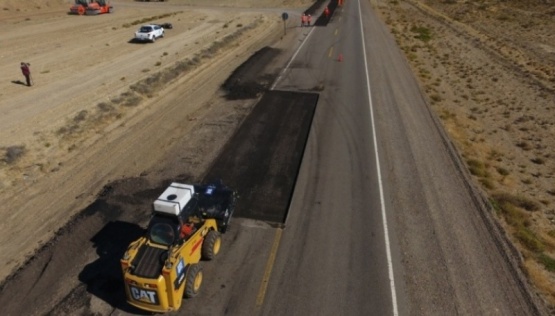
x,y
487,69
99,108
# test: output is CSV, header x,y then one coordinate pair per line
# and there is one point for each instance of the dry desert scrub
x,y
95,119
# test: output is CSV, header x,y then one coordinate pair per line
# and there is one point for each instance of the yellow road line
x,y
336,31
330,52
269,267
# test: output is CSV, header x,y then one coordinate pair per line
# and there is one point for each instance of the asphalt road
x,y
383,221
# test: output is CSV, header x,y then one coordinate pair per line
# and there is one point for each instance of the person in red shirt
x,y
187,229
327,12
303,20
26,72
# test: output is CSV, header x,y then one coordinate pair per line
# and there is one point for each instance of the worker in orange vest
x,y
309,20
187,229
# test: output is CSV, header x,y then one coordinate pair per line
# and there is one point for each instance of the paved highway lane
x,y
333,258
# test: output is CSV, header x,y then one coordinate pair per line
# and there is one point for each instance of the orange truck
x,y
91,7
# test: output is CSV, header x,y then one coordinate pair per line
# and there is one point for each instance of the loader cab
x,y
167,230
172,210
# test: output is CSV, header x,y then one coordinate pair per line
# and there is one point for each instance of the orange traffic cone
x,y
340,58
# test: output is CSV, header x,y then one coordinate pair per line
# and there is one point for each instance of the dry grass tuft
x,y
13,153
543,282
477,168
518,201
513,209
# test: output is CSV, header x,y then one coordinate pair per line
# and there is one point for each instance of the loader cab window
x,y
162,233
162,229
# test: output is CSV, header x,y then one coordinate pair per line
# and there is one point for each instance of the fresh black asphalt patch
x,y
262,159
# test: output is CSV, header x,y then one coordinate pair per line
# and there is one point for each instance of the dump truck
x,y
164,266
91,7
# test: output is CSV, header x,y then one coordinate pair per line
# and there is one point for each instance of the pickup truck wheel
x,y
211,245
194,281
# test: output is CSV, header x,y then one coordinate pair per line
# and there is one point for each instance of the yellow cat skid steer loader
x,y
162,267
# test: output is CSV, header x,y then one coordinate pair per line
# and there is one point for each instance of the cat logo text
x,y
143,295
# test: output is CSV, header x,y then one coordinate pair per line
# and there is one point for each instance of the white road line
x,y
384,216
292,58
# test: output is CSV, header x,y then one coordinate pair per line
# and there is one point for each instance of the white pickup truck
x,y
149,33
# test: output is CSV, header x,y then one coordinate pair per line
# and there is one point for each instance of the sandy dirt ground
x,y
488,69
97,113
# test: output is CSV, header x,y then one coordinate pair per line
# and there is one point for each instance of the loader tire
x,y
193,281
211,245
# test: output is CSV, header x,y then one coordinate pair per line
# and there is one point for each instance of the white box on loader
x,y
174,198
